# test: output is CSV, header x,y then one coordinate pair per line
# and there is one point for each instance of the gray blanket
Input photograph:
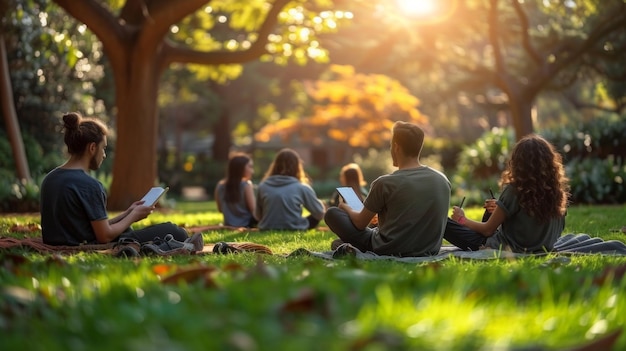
x,y
567,244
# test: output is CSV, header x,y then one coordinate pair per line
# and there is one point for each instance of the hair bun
x,y
71,120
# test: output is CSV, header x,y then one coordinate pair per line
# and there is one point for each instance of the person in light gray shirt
x,y
283,194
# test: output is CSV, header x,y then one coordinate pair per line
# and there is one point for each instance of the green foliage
x,y
480,165
374,163
19,195
601,137
595,180
52,70
595,157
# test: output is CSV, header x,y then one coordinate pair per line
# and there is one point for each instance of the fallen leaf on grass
x,y
306,302
383,340
162,269
262,270
12,262
25,228
56,260
615,272
604,343
191,275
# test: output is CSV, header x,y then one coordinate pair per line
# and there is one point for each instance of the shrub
x,y
599,138
374,164
480,165
594,180
19,195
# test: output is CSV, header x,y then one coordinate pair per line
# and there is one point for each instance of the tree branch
x,y
159,16
500,67
582,105
176,53
524,31
565,57
102,23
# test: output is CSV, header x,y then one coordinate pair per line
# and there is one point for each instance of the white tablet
x,y
350,197
153,195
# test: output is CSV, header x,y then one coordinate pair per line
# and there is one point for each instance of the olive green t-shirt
x,y
520,232
412,206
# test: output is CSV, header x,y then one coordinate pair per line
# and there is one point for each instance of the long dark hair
x,y
536,172
234,174
287,162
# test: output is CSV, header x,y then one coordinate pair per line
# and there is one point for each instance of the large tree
x,y
138,39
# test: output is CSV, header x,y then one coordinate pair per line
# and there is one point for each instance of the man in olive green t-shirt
x,y
412,204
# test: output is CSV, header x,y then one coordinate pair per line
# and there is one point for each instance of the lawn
x,y
271,302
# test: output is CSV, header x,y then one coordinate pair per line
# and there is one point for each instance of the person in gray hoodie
x,y
283,194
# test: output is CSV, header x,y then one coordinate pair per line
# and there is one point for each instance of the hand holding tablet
x,y
350,197
153,195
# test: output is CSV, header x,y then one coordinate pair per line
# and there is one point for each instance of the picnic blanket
x,y
567,245
127,248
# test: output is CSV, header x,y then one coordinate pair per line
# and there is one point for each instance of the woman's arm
x,y
217,198
248,194
485,228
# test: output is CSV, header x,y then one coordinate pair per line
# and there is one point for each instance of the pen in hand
x,y
491,193
462,201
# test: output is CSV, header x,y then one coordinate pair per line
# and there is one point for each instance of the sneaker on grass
x,y
168,244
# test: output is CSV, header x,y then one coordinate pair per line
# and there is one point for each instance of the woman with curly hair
x,y
284,192
529,215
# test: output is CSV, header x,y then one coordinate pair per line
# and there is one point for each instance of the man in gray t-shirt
x,y
412,204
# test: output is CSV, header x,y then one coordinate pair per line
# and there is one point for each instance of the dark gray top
x,y
235,214
70,200
520,232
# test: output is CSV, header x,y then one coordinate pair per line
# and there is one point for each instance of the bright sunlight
x,y
417,7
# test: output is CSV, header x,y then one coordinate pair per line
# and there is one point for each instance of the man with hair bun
x,y
73,203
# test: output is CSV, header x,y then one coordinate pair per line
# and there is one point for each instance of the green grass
x,y
261,302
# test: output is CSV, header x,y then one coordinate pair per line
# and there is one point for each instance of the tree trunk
x,y
134,167
222,141
521,114
10,117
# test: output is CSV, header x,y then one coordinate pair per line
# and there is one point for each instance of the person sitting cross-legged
x,y
411,203
73,203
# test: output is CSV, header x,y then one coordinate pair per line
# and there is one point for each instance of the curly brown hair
x,y
535,170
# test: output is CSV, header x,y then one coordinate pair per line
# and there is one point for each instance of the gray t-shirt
x,y
412,206
280,200
70,200
520,232
235,214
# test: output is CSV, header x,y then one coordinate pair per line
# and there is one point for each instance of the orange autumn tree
x,y
349,107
